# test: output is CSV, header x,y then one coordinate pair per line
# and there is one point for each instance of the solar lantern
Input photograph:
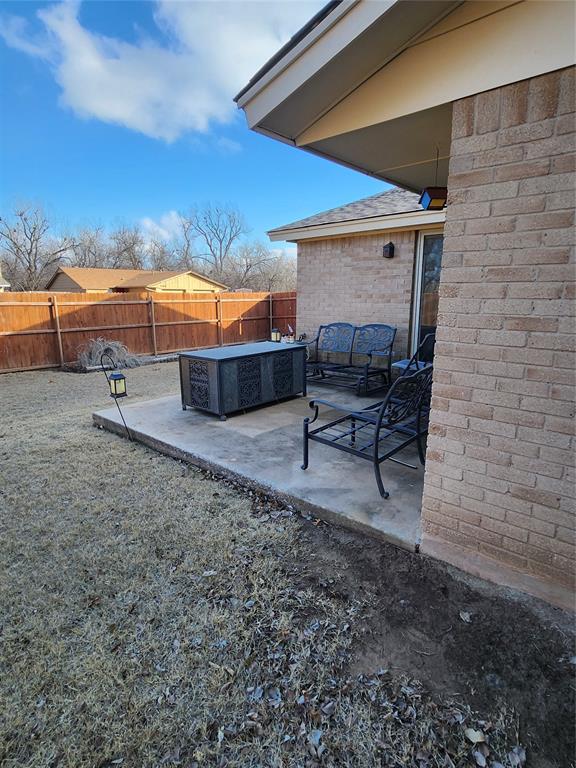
x,y
117,384
275,335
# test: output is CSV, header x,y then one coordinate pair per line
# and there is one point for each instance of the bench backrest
x,y
406,397
374,337
336,337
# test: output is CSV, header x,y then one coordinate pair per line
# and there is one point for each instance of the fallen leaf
x,y
480,759
328,708
476,737
466,616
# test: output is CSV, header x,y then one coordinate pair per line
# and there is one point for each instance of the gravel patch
x,y
152,615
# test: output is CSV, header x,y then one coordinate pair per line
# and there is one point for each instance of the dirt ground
x,y
153,615
511,650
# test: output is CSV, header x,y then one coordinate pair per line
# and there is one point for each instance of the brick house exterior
x,y
499,477
480,98
359,285
341,272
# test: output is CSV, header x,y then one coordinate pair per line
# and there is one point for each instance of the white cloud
x,y
289,249
15,33
187,83
166,228
228,146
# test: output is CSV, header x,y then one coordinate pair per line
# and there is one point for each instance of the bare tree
x,y
127,248
90,248
246,264
218,228
184,247
279,274
30,255
160,256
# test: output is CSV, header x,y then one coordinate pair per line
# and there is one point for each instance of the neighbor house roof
x,y
93,279
144,278
392,209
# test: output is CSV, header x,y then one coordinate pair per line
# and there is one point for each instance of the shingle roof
x,y
389,203
95,279
148,277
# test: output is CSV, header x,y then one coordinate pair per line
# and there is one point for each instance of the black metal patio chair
x,y
423,356
380,431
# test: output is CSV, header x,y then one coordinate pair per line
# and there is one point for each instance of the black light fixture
x,y
117,384
275,335
388,251
434,198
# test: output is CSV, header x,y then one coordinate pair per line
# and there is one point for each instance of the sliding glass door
x,y
426,284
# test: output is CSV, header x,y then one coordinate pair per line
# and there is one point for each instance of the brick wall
x,y
347,279
499,479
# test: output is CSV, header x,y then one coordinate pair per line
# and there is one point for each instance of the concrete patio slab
x,y
263,449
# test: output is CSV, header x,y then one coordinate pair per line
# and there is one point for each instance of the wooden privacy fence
x,y
46,330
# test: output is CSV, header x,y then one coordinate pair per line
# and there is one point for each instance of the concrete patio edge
x,y
110,424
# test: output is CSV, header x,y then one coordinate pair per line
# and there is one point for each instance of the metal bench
x,y
345,355
380,431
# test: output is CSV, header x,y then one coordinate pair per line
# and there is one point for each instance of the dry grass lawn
x,y
153,616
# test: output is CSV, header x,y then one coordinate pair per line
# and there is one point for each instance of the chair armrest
x,y
380,352
315,405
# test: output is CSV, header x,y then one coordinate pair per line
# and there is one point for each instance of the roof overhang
x,y
365,226
371,84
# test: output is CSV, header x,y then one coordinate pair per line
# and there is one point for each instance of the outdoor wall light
x,y
275,335
433,198
388,251
117,384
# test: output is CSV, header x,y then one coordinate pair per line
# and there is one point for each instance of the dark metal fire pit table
x,y
224,380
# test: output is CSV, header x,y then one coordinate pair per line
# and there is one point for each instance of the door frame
x,y
421,234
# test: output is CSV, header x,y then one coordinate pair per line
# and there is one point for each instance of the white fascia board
x,y
515,43
297,51
334,33
401,221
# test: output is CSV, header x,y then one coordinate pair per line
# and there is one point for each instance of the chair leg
x,y
419,445
421,454
305,444
353,433
383,492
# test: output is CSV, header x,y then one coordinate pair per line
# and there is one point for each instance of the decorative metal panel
x,y
199,384
283,374
336,337
249,382
374,337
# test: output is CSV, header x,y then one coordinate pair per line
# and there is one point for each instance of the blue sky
x,y
121,112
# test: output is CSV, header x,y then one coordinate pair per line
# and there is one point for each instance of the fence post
x,y
219,320
54,302
271,312
153,326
